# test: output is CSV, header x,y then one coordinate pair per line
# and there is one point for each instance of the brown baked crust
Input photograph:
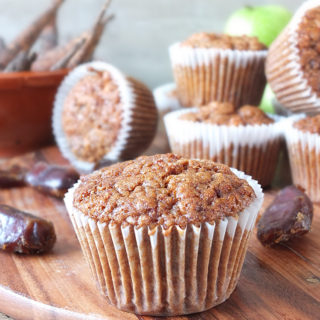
x,y
162,190
308,44
223,113
309,124
223,41
91,116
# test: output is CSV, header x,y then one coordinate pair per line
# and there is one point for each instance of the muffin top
x,y
223,41
164,190
308,44
309,124
224,113
91,117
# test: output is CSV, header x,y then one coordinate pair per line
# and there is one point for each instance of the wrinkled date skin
x,y
288,216
51,179
22,232
12,177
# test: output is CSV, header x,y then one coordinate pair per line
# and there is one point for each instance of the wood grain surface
x,y
281,283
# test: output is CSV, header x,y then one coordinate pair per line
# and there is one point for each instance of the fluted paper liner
x,y
166,272
139,117
304,156
166,99
284,71
252,149
205,75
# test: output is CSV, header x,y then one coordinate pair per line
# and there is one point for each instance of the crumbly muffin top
x,y
223,41
163,189
309,124
308,44
91,117
224,113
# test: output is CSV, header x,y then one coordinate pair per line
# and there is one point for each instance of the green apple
x,y
264,22
266,102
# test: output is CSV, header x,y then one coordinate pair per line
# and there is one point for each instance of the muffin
x,y
246,139
101,114
293,61
165,235
210,67
303,143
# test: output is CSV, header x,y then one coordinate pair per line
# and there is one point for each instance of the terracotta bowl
x,y
26,100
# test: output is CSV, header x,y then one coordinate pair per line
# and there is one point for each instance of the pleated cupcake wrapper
x,y
139,117
205,75
253,149
166,101
304,156
284,72
164,98
166,272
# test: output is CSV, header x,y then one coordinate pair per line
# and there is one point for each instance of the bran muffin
x,y
165,235
293,61
101,114
303,143
246,139
210,67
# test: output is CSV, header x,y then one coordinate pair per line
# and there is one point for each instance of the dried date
x,y
51,179
22,232
288,216
12,176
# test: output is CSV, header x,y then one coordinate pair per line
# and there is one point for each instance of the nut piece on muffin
x,y
147,227
293,62
303,143
245,138
101,114
211,67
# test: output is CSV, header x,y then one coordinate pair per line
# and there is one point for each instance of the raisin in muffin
x,y
165,235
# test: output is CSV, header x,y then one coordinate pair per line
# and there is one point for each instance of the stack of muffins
x,y
222,78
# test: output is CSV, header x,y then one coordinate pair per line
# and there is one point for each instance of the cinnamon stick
x,y
86,52
2,45
26,39
21,62
48,38
47,60
63,62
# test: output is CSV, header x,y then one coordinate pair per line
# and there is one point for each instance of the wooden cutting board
x,y
282,283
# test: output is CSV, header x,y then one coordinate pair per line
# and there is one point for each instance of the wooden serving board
x,y
282,283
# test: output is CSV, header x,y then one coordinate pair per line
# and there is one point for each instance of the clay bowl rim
x,y
19,79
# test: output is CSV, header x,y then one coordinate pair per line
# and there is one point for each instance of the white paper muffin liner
x,y
166,272
139,117
205,75
166,99
252,149
304,156
283,68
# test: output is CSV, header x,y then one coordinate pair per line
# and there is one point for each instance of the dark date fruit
x,y
12,176
288,216
51,179
22,232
